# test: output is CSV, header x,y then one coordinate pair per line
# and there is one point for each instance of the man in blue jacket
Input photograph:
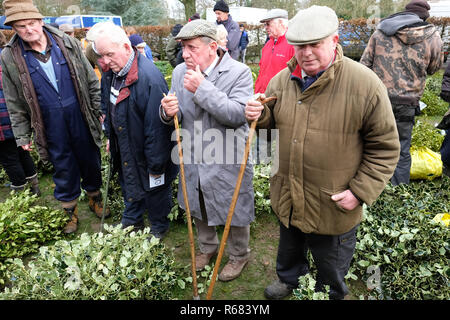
x,y
243,43
139,143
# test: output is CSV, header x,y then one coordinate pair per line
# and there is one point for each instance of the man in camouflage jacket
x,y
402,52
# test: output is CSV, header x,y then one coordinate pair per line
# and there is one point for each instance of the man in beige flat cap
x,y
209,91
277,51
52,92
340,147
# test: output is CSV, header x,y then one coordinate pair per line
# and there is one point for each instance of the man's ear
x,y
128,47
213,45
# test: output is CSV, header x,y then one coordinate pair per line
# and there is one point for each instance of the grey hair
x,y
113,32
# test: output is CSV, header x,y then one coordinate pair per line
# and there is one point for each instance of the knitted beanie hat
x,y
419,7
221,6
20,10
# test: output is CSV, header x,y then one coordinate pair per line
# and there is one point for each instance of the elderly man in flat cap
x,y
402,52
340,147
51,91
209,91
277,51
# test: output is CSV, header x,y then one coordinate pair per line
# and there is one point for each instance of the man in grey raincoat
x,y
209,92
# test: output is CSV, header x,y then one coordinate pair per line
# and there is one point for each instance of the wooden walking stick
x,y
233,201
188,211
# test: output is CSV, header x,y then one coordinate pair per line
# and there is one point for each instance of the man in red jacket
x,y
276,52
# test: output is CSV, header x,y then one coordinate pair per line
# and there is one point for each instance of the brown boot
x,y
202,260
72,225
96,205
232,269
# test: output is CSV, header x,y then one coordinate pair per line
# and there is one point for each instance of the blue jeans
x,y
158,204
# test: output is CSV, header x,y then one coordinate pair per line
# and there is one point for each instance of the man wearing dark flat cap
x,y
208,93
402,52
223,16
339,149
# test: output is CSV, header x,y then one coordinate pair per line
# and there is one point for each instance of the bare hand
x,y
254,108
193,79
170,105
346,200
28,147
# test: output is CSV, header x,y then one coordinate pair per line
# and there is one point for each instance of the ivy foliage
x,y
400,239
25,226
118,264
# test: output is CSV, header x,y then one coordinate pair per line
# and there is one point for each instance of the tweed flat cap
x,y
65,27
312,25
197,28
274,14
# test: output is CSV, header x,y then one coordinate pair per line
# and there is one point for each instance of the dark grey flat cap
x,y
312,25
274,14
197,28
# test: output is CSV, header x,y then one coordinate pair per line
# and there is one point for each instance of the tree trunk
x,y
189,7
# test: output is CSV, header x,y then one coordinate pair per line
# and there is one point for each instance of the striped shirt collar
x,y
127,66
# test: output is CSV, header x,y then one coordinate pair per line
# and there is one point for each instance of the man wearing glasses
x,y
276,52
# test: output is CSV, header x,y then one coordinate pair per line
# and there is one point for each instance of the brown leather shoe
x,y
202,260
72,225
96,206
232,269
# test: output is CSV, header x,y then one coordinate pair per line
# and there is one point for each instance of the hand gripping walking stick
x,y
188,211
233,201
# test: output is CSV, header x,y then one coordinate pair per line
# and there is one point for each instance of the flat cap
x,y
197,28
274,14
312,25
66,27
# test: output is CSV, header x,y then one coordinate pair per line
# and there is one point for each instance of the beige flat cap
x,y
197,28
312,25
65,27
274,14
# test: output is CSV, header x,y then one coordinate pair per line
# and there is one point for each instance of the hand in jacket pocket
x,y
346,200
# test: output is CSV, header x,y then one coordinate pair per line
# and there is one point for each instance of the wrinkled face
x,y
197,52
274,28
221,16
315,57
114,55
29,30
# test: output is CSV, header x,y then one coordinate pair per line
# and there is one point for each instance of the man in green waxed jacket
x,y
339,148
51,90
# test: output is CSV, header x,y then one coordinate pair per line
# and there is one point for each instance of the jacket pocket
x,y
334,220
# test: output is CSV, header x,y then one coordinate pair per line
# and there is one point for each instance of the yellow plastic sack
x,y
443,218
425,164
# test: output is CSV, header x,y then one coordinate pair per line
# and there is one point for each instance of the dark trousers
x,y
404,117
445,149
332,256
17,163
158,204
